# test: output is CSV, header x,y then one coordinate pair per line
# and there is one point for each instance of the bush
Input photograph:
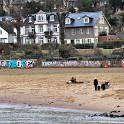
x,y
84,46
66,51
48,46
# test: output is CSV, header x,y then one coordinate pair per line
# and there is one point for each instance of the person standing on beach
x,y
95,83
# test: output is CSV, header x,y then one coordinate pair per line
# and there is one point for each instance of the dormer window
x,y
52,18
40,18
30,19
67,21
86,20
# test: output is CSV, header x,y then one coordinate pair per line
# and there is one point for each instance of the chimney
x,y
3,19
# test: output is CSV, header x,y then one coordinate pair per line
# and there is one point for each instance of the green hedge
x,y
84,46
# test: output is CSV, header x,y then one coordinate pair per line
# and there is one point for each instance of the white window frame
x,y
101,29
55,39
26,30
86,19
89,41
54,28
27,41
101,21
88,30
40,28
52,17
49,29
77,41
67,21
49,40
33,30
41,40
40,18
30,19
73,31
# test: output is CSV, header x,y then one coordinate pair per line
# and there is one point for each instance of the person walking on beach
x,y
95,83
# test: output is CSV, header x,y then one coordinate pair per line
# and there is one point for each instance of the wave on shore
x,y
26,114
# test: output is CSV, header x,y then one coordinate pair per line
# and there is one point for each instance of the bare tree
x,y
17,24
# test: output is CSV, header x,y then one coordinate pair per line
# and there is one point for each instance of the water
x,y
23,114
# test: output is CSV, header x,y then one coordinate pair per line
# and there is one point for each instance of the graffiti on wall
x,y
71,63
81,63
17,63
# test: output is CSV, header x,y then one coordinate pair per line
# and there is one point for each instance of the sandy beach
x,y
48,87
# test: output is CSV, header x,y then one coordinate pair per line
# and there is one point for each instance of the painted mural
x,y
17,63
81,63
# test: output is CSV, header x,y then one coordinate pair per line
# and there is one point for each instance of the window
x,y
55,40
54,28
67,21
89,41
77,41
40,28
83,41
33,30
49,40
40,18
96,31
73,32
40,40
49,29
26,30
30,19
0,31
101,29
106,29
88,31
101,20
86,20
81,31
52,18
27,41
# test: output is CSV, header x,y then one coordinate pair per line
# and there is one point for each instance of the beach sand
x,y
48,87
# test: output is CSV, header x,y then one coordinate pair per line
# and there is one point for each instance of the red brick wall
x,y
107,38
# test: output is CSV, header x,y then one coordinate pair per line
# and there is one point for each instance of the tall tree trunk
x,y
61,19
18,36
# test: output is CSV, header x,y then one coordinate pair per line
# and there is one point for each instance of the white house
x,y
43,25
6,32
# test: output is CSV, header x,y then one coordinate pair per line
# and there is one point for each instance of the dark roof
x,y
7,27
26,22
78,18
8,18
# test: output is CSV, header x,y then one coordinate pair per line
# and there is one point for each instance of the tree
x,y
33,6
17,24
115,3
85,5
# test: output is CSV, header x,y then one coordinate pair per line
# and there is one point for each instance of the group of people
x,y
98,87
103,86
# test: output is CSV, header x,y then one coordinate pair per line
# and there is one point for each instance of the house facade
x,y
84,28
43,27
6,32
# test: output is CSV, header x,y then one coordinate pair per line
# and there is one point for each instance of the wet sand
x,y
48,87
